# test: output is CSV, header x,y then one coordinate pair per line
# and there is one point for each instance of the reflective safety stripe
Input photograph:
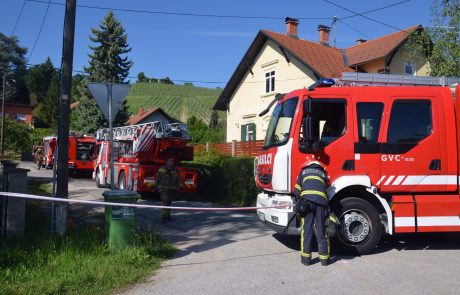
x,y
298,187
323,257
305,254
333,219
302,239
311,192
313,177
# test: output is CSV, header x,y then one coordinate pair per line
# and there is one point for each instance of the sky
x,y
172,41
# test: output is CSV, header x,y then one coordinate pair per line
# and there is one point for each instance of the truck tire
x,y
98,179
122,180
360,227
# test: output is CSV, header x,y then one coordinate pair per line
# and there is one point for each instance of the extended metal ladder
x,y
161,129
395,80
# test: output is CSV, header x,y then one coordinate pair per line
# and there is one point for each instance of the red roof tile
x,y
142,114
377,48
324,60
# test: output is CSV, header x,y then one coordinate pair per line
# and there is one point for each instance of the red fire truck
x,y
81,150
139,151
389,143
49,148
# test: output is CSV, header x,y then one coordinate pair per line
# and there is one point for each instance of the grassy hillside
x,y
179,101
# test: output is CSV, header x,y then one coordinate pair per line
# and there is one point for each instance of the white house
x,y
279,63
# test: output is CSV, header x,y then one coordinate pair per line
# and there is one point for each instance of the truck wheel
x,y
122,180
98,179
360,227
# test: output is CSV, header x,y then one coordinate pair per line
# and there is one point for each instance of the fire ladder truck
x,y
390,145
139,151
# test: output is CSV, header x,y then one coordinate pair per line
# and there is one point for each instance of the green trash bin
x,y
120,221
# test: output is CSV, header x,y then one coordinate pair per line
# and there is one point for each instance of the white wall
x,y
249,99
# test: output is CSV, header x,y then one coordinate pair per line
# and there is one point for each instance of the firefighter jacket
x,y
168,179
311,184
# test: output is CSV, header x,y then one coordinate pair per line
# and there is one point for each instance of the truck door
x,y
333,124
411,158
369,114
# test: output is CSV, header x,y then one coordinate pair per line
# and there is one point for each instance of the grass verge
x,y
78,263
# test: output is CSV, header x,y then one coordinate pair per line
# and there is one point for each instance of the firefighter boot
x,y
305,260
324,262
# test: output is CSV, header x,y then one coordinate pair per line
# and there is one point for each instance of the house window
x,y
248,132
409,68
20,117
269,81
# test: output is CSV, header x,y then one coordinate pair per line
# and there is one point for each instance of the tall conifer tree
x,y
108,63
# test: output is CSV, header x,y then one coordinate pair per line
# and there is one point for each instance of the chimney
x,y
324,34
291,26
360,41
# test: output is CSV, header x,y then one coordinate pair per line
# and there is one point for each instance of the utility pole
x,y
2,139
62,185
334,22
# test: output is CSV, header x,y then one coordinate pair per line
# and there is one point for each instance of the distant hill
x,y
179,101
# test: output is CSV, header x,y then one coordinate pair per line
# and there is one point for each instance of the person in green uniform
x,y
168,183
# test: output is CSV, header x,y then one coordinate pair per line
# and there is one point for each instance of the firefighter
x,y
312,206
39,158
168,183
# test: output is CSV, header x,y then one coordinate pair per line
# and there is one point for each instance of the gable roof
x,y
141,115
378,48
323,61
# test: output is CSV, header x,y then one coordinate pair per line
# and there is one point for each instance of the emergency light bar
x,y
322,82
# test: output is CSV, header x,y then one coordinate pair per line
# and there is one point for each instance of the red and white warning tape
x,y
77,201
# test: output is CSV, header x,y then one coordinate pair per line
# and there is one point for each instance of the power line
x,y
178,13
40,31
217,15
19,17
360,14
376,9
356,30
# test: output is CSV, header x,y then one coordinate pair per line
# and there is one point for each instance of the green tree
x,y
51,103
213,123
441,42
17,136
201,133
141,77
13,63
39,77
166,80
107,63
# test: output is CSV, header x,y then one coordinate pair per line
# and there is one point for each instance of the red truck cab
x,y
391,153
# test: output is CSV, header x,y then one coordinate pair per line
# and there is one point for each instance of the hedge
x,y
227,180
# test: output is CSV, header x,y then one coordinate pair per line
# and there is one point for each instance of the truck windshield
x,y
280,123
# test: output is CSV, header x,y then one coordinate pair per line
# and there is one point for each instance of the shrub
x,y
240,186
226,180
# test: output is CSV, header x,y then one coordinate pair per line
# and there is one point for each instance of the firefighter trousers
x,y
314,220
166,197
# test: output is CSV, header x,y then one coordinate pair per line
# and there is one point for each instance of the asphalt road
x,y
233,253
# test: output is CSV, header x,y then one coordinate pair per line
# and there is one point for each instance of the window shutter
x,y
243,132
